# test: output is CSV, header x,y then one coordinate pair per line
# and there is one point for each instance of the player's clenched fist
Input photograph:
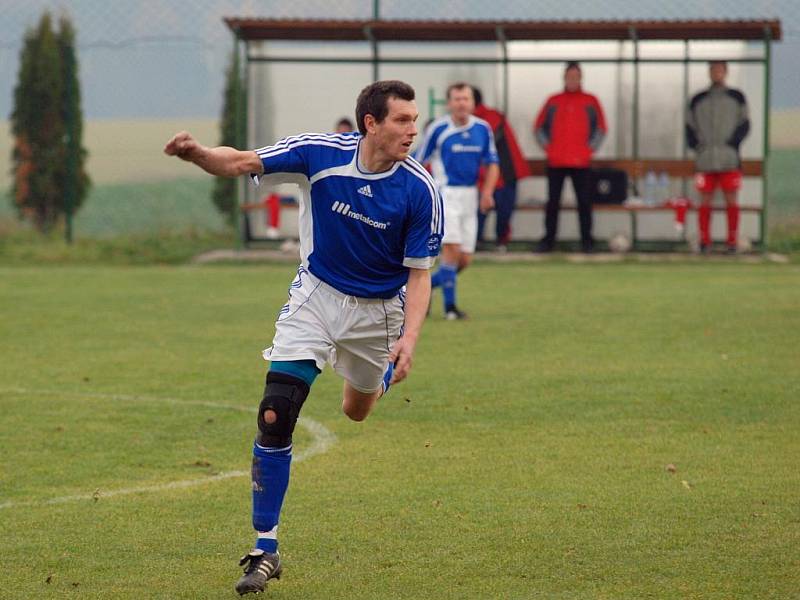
x,y
183,145
401,357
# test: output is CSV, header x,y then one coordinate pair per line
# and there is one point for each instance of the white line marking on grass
x,y
323,439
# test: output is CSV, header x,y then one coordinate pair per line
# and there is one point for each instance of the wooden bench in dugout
x,y
636,170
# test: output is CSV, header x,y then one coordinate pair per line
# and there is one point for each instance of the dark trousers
x,y
581,184
505,198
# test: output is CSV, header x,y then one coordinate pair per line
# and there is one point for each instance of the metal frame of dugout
x,y
501,33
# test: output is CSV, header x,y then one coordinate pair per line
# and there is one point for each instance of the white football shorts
x,y
460,216
354,335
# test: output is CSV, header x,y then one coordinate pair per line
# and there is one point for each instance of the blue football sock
x,y
449,285
436,278
270,480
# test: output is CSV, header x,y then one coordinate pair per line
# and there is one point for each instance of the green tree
x,y
224,192
38,127
73,180
48,157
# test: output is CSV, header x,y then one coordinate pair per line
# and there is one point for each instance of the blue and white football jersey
x,y
457,152
360,232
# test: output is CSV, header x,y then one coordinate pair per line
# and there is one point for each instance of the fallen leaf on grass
x,y
96,495
671,468
427,444
686,484
49,579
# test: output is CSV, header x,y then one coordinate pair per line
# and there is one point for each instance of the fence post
x,y
765,159
241,123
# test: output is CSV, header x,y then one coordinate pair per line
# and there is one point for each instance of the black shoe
x,y
544,247
259,568
705,249
453,314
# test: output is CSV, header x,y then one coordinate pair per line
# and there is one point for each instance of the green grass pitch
x,y
526,457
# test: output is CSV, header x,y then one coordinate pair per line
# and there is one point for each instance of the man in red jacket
x,y
570,127
513,166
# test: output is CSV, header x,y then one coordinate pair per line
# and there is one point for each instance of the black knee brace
x,y
284,395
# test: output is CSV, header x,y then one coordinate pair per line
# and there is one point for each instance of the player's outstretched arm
x,y
222,161
418,293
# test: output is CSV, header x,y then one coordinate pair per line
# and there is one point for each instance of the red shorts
x,y
729,181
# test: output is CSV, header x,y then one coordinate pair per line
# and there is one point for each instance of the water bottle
x,y
663,187
650,185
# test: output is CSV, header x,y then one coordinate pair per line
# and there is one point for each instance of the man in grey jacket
x,y
716,125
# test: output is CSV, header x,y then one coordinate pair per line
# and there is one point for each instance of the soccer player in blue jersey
x,y
371,223
456,146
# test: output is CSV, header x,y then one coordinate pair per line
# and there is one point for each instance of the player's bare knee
x,y
354,411
270,416
357,416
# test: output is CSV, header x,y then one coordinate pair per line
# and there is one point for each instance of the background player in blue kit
x,y
456,146
370,228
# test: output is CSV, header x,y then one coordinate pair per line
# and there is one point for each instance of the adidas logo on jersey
x,y
344,209
365,191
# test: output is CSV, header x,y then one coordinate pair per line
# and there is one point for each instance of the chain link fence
x,y
149,68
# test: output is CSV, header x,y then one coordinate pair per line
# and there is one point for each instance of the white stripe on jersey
x,y
293,141
453,129
271,151
325,137
332,140
436,210
417,169
435,154
427,135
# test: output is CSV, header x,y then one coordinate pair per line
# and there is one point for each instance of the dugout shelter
x,y
302,75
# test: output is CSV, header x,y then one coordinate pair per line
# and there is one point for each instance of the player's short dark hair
x,y
374,100
476,93
346,122
573,64
458,85
724,63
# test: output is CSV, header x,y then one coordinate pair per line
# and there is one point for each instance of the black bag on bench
x,y
608,186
